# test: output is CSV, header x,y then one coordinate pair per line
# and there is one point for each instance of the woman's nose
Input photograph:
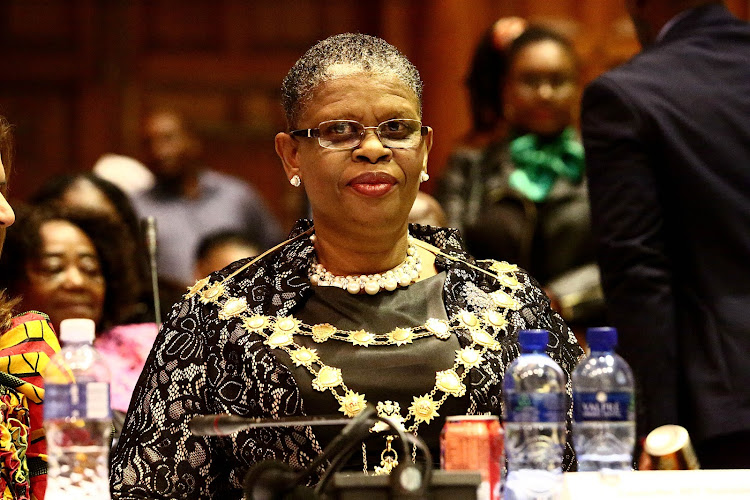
x,y
73,277
371,149
546,91
7,216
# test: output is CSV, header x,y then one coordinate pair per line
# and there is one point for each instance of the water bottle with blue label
x,y
77,416
535,404
603,406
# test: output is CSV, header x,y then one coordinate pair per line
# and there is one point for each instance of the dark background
x,y
78,75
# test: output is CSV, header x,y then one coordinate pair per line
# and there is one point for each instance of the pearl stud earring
x,y
424,176
295,181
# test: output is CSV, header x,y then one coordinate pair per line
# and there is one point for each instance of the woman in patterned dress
x,y
26,343
356,307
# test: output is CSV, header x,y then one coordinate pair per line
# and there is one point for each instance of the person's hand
x,y
507,29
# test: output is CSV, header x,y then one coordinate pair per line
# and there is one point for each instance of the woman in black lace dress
x,y
356,307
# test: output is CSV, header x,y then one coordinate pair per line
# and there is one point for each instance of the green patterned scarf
x,y
539,164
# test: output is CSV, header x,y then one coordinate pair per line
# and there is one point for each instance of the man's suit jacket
x,y
667,139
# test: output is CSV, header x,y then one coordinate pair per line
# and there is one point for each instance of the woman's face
x,y
7,217
370,186
542,89
66,280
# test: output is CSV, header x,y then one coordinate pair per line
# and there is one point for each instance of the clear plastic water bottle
x,y
77,416
603,406
535,404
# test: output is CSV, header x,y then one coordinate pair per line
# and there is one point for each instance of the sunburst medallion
x,y
424,408
304,356
255,323
469,357
361,337
352,403
401,336
212,293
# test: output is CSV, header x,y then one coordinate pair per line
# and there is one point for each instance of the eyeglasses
x,y
399,133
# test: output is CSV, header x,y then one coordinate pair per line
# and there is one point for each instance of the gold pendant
x,y
388,459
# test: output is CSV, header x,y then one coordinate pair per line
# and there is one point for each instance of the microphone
x,y
273,480
149,230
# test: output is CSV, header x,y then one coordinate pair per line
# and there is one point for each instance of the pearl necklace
x,y
403,275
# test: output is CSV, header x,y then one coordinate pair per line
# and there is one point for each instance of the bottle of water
x,y
603,406
535,404
77,416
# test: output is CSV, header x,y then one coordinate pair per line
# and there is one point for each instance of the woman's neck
x,y
343,253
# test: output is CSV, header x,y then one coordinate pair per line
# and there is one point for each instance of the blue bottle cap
x,y
602,338
533,340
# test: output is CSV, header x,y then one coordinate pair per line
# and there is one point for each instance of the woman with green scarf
x,y
517,191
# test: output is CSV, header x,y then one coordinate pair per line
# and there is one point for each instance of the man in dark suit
x,y
667,138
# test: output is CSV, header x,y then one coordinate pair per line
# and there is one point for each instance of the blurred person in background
x,y
26,343
128,174
357,306
77,263
667,139
190,201
427,211
522,197
89,191
216,251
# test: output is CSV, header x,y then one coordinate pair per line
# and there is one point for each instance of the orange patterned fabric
x,y
25,350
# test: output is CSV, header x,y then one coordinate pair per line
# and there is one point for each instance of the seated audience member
x,y
26,343
427,211
76,263
216,251
356,306
190,201
90,191
522,196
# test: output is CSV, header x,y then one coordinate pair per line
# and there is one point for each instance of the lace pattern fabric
x,y
202,364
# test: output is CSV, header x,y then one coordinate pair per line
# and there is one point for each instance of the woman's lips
x,y
373,183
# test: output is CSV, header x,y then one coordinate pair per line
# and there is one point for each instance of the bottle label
x,y
535,407
89,401
607,406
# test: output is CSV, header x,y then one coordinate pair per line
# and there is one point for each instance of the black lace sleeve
x,y
157,457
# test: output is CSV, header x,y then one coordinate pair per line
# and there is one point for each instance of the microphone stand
x,y
149,224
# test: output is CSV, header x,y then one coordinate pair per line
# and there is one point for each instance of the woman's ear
x,y
427,147
287,147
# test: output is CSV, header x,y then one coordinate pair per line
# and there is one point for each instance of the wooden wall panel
x,y
41,24
44,138
80,74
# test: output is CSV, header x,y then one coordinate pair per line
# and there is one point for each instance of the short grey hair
x,y
339,55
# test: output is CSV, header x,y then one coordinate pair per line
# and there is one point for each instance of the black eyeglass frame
x,y
315,132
